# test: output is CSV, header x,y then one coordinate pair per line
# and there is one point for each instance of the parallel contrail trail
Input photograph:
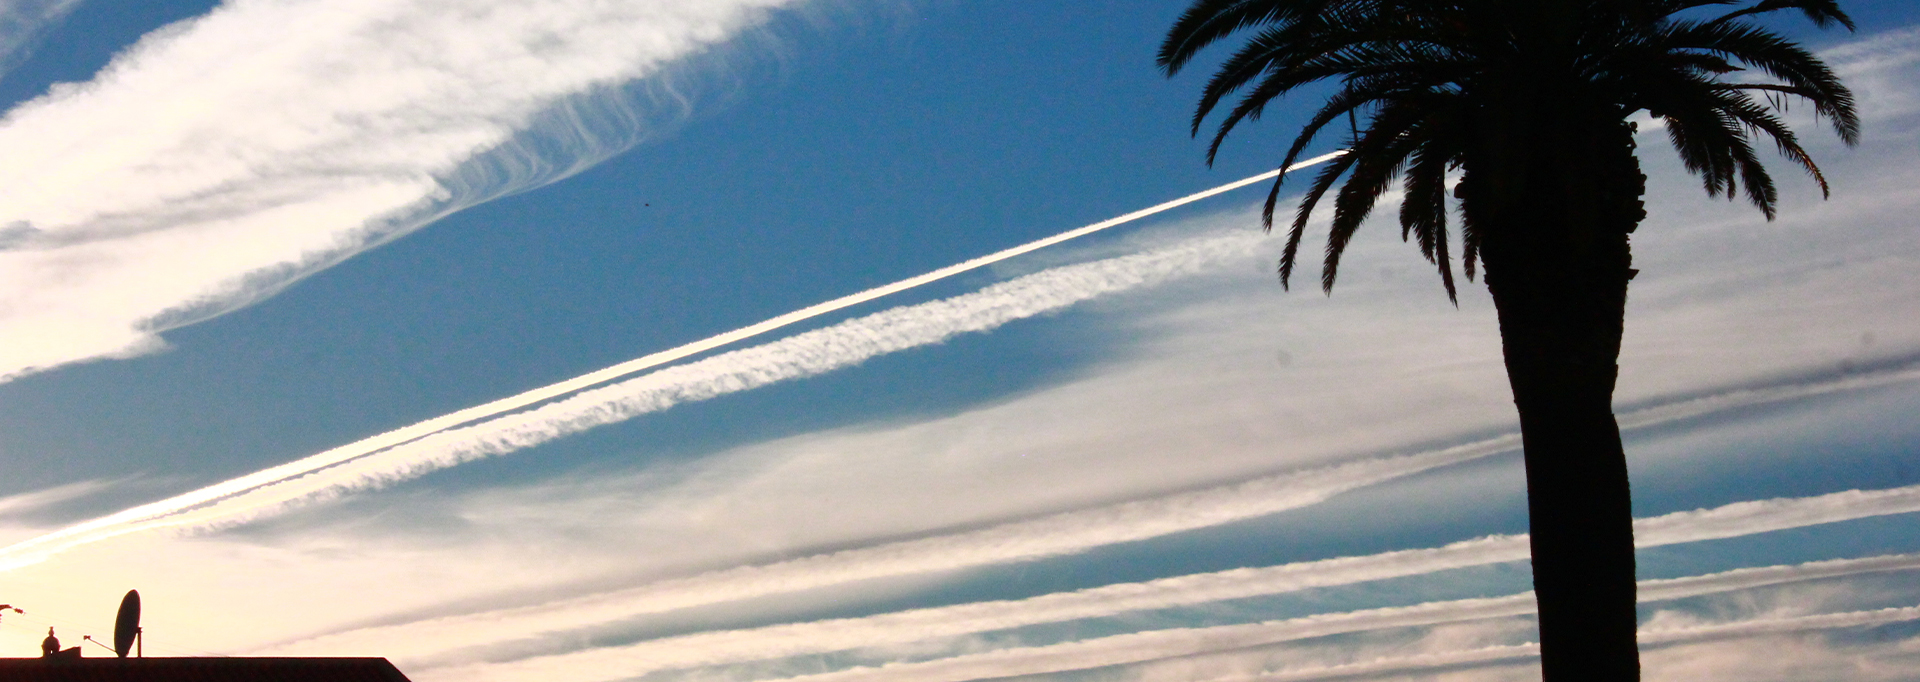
x,y
1151,645
1518,652
725,647
36,549
1079,530
795,639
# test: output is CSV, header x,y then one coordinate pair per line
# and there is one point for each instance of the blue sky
x,y
239,235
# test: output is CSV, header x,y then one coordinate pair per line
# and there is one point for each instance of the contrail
x,y
806,354
1047,536
1140,647
1394,664
1647,639
146,515
921,625
1072,531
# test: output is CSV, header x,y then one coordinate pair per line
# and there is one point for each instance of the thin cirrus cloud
x,y
1080,530
22,22
1170,643
222,158
445,642
1122,650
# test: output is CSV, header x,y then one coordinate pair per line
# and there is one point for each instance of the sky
x,y
553,339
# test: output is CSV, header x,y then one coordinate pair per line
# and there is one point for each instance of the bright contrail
x,y
807,354
125,521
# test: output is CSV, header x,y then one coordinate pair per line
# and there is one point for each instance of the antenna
x,y
126,627
89,638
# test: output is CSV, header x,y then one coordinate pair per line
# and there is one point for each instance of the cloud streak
x,y
919,625
1153,645
222,158
479,635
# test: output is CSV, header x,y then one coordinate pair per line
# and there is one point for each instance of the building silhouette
x,y
65,668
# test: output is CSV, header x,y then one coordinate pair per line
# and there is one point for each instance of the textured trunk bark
x,y
1553,199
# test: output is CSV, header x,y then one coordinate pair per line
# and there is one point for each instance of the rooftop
x,y
235,669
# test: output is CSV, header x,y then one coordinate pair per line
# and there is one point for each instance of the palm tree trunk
x,y
1554,201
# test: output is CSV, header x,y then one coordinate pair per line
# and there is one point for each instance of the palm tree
x,y
1528,101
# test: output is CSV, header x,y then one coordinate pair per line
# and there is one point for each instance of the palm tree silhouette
x,y
1528,101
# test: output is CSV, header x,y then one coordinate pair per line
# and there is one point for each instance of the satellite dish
x,y
127,626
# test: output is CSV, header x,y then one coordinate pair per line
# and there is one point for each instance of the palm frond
x,y
1780,59
1823,13
1208,21
1418,72
1423,212
1321,183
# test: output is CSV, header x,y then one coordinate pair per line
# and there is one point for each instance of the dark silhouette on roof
x,y
67,665
236,669
126,626
50,649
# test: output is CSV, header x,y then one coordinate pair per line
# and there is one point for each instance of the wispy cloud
x,y
471,636
219,160
1153,645
22,22
1052,535
15,505
1882,69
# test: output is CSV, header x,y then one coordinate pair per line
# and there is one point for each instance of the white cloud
x,y
443,641
222,158
1153,645
1881,69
